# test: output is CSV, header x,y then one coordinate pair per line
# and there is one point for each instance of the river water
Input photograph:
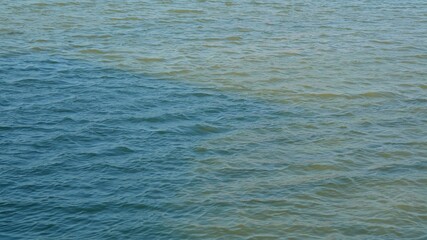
x,y
213,119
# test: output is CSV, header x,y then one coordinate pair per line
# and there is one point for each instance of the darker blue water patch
x,y
94,152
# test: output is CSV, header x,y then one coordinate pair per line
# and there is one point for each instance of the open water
x,y
247,119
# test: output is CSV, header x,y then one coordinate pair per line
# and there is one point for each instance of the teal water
x,y
213,120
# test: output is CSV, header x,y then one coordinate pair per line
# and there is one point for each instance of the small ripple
x,y
130,18
185,11
150,59
163,118
201,129
92,51
377,95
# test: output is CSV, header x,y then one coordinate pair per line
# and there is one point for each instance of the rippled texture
x,y
213,120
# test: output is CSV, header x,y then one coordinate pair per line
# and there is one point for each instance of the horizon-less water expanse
x,y
213,119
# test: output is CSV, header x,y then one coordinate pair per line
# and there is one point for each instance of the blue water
x,y
213,120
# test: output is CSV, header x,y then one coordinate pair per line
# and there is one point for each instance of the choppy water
x,y
213,120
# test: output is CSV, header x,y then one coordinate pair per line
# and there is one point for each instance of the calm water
x,y
213,119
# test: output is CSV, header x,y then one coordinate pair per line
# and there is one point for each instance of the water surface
x,y
213,120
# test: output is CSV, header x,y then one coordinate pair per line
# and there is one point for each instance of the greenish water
x,y
213,120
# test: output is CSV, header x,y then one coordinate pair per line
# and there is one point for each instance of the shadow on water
x,y
94,152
